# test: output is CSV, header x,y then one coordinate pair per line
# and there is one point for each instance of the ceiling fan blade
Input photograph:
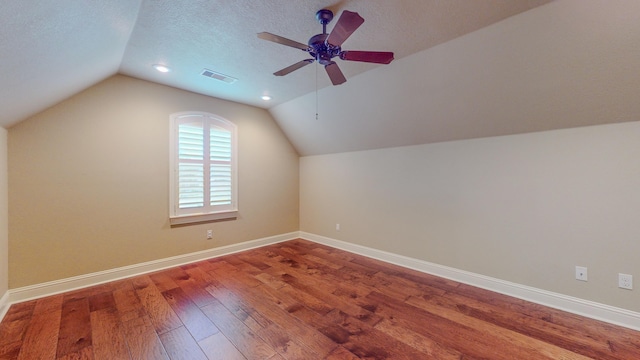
x,y
348,23
293,67
334,73
282,40
378,57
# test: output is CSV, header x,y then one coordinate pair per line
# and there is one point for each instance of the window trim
x,y
231,211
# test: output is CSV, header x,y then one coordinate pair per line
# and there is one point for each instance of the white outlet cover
x,y
625,281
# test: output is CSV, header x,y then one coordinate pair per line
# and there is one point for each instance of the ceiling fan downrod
x,y
324,16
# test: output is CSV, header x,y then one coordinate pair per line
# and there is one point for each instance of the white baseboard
x,y
4,305
82,281
590,309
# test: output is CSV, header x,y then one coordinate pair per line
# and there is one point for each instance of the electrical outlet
x,y
625,281
581,273
209,234
337,227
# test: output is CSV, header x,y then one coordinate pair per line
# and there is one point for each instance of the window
x,y
203,166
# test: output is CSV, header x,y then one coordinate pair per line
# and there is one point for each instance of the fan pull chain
x,y
316,90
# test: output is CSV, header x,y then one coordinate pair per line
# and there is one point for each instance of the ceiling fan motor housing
x,y
319,48
321,51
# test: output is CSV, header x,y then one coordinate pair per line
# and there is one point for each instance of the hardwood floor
x,y
300,300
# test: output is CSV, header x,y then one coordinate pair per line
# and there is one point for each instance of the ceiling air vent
x,y
217,76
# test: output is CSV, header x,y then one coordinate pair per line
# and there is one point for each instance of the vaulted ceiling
x,y
463,68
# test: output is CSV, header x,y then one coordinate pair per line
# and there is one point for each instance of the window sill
x,y
200,218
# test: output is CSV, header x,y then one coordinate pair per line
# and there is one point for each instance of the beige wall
x,y
89,182
4,216
523,208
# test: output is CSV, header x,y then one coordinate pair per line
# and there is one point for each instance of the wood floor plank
x,y
285,344
20,311
48,304
513,338
300,300
564,329
277,357
345,275
142,340
102,301
421,343
401,288
75,326
226,271
254,261
218,347
340,353
280,337
41,338
320,289
180,345
127,301
13,328
13,331
277,334
192,317
300,297
459,336
89,291
532,329
10,350
163,280
245,313
413,276
193,283
108,339
344,260
356,336
317,343
161,314
268,307
241,336
85,353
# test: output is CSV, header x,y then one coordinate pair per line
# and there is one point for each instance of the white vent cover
x,y
218,76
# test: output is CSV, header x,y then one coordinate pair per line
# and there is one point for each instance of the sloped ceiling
x,y
562,65
463,68
52,50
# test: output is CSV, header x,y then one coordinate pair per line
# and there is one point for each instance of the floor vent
x,y
218,76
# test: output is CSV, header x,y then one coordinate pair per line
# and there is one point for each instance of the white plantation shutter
x,y
220,166
190,164
203,164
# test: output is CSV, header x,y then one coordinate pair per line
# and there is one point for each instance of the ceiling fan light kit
x,y
324,47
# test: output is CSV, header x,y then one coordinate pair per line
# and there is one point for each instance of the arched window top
x,y
219,120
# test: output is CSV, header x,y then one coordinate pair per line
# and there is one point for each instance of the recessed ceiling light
x,y
266,97
161,68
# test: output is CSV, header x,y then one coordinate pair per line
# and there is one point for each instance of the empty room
x,y
323,179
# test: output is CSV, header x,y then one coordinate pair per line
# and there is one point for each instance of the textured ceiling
x,y
464,68
52,50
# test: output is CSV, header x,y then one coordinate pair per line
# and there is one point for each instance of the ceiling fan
x,y
324,47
